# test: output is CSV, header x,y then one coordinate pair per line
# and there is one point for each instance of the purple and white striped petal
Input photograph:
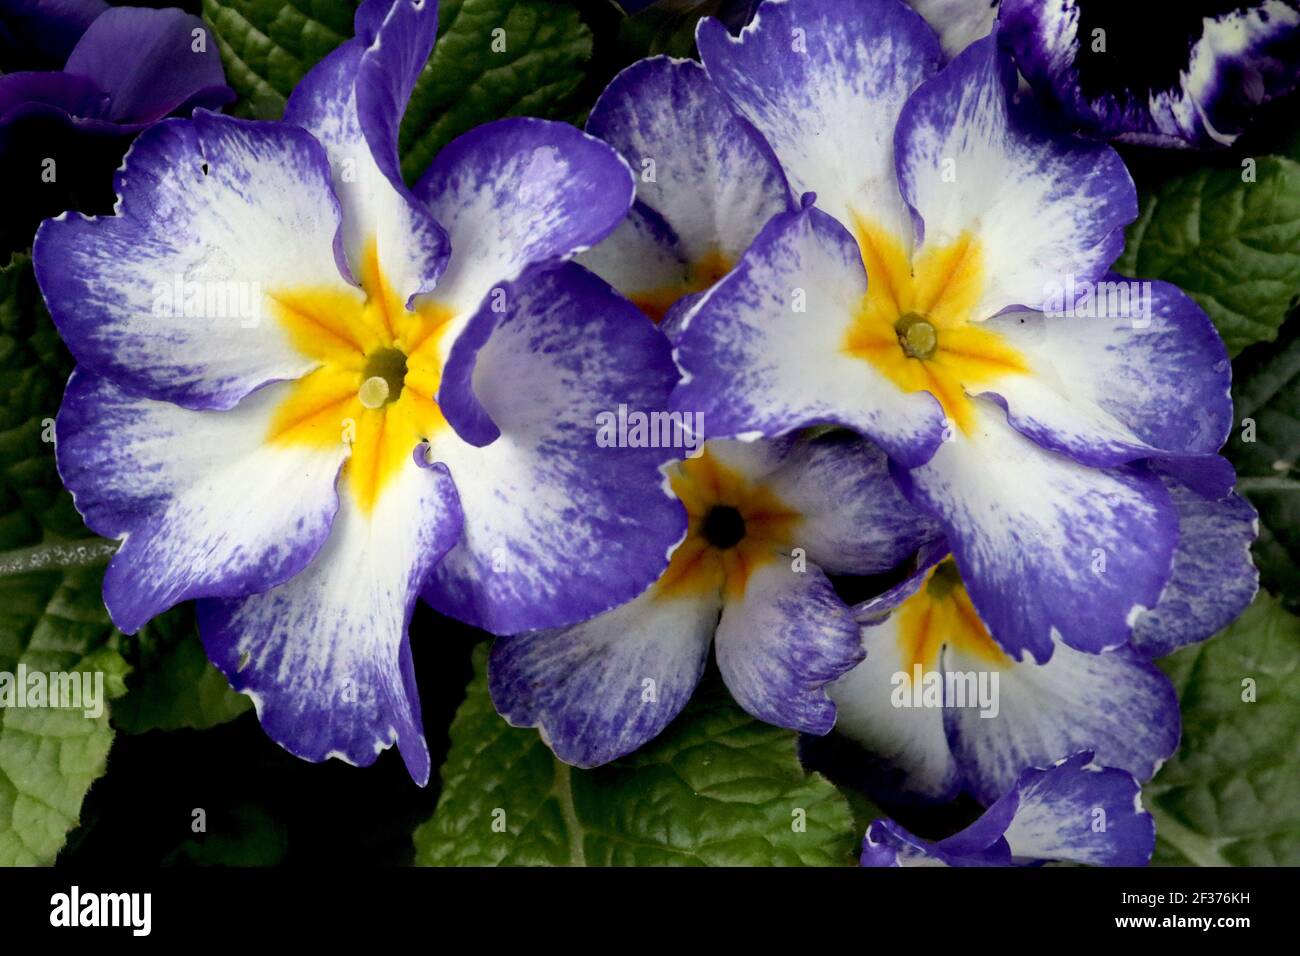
x,y
352,102
218,215
783,642
599,690
557,528
1134,370
1113,703
325,656
1047,546
1214,578
205,505
763,352
824,82
706,175
1041,208
513,194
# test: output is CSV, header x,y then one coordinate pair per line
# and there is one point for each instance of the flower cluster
x,y
867,285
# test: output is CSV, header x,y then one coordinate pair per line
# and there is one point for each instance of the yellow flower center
x,y
374,388
917,326
699,276
941,613
734,526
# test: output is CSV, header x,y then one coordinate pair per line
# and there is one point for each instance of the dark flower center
x,y
385,375
723,527
917,335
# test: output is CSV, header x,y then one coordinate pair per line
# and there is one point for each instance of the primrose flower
x,y
767,522
1072,811
706,185
305,392
1191,77
939,708
902,305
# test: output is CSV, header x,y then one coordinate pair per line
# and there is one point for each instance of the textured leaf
x,y
1231,795
172,684
1266,395
467,82
267,45
1233,245
52,621
717,788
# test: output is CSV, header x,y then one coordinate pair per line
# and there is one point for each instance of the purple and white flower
x,y
1072,811
937,708
768,521
307,394
949,297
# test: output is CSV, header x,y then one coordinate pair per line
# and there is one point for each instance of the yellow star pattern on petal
x,y
941,613
375,387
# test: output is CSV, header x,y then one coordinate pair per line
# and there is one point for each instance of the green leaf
x,y
268,45
34,367
1231,795
172,684
469,81
52,622
1234,246
1265,448
717,788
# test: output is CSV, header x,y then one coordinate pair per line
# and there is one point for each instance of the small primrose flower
x,y
904,305
306,393
1189,76
767,522
940,708
1072,811
706,184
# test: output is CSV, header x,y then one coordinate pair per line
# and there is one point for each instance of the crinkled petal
x,y
206,505
601,689
783,642
1113,703
705,172
1045,545
1039,206
175,296
1214,578
763,352
557,528
1109,387
824,82
325,656
162,72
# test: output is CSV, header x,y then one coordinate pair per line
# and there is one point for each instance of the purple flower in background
x,y
307,394
108,73
1182,73
1072,811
